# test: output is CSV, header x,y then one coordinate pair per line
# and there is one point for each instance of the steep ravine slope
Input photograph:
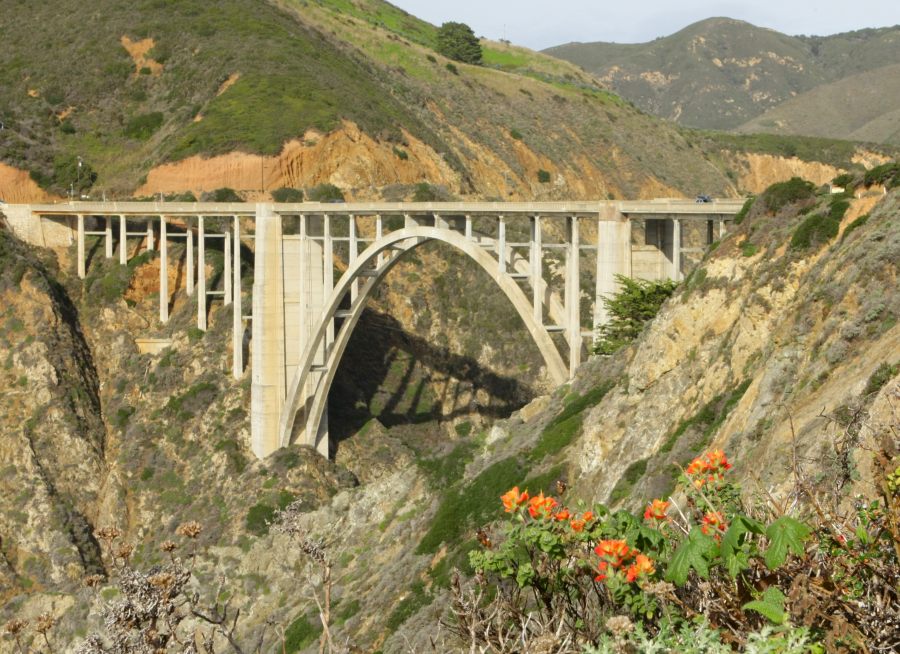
x,y
760,335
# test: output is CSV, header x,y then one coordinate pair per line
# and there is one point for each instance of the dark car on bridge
x,y
702,199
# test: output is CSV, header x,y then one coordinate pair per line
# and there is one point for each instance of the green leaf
x,y
784,534
771,606
733,555
525,575
693,552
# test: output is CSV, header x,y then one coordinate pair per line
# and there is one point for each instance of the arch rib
x,y
408,239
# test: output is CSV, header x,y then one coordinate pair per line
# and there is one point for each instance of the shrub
x,y
457,41
325,193
635,304
543,176
749,249
856,224
300,634
287,195
516,134
259,517
742,214
453,69
425,192
400,154
223,194
143,126
782,194
882,375
820,228
886,174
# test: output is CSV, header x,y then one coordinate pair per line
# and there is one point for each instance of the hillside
x,y
171,98
772,347
720,73
861,107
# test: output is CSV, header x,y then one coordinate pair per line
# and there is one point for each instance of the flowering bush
x,y
747,570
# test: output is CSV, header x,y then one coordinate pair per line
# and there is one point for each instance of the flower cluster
x,y
714,524
543,507
615,554
513,499
709,469
656,510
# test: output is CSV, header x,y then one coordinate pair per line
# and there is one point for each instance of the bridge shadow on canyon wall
x,y
403,379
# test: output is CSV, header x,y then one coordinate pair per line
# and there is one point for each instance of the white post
x,y
501,245
304,284
81,271
201,275
537,265
328,270
721,229
613,258
163,271
676,250
189,254
468,227
573,295
123,240
227,272
109,237
354,253
149,235
379,232
237,326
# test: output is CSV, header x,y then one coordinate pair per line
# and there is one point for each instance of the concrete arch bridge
x,y
302,313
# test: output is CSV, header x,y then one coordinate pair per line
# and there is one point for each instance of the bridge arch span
x,y
313,401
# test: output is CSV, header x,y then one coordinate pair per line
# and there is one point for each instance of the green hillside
x,y
862,107
251,75
721,73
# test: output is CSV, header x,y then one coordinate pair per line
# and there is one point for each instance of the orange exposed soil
x,y
16,186
138,51
762,170
346,157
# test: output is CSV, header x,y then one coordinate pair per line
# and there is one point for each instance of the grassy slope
x,y
705,94
861,107
291,78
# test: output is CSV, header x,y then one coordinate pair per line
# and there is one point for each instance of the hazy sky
x,y
540,24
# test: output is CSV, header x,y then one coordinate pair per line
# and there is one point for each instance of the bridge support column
x,y
573,295
226,273
237,325
201,275
123,240
189,254
163,271
675,274
501,244
354,253
613,258
81,270
149,235
268,384
109,237
537,270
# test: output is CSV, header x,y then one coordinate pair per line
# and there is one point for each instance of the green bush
x,y
289,195
516,134
453,69
635,304
749,249
325,193
882,375
143,126
543,176
742,214
224,194
259,517
400,154
425,192
886,174
856,224
782,194
457,41
300,634
818,229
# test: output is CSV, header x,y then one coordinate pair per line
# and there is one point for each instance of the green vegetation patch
x,y
635,304
416,599
300,634
887,174
632,475
143,126
708,419
742,214
856,224
882,375
820,228
779,195
449,469
468,505
563,429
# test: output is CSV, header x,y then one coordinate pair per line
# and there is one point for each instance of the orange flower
x,y
562,515
587,516
642,565
577,525
656,510
617,550
696,466
717,459
540,506
713,523
513,499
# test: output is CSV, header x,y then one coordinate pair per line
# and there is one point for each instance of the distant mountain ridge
x,y
721,73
